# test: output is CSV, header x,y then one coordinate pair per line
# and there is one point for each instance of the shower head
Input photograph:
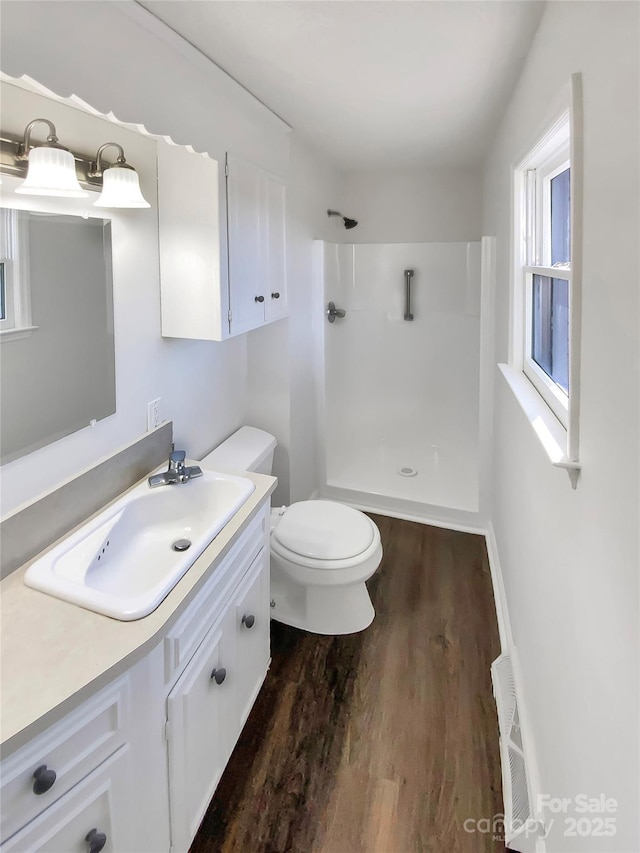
x,y
348,223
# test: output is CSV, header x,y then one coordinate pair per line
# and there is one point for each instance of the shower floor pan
x,y
445,476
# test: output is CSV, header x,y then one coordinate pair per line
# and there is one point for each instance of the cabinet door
x,y
99,803
199,714
252,625
247,229
276,296
257,252
193,300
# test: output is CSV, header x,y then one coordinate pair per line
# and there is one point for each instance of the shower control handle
x,y
333,312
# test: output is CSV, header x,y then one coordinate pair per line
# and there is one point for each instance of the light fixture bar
x,y
11,162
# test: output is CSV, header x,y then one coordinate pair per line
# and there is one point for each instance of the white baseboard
x,y
502,611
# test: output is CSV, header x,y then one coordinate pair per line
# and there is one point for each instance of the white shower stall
x,y
400,397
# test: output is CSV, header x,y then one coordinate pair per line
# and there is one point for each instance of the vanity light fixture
x,y
51,166
50,169
120,182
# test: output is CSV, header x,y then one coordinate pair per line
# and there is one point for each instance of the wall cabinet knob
x,y
259,298
248,620
219,675
275,296
96,840
44,779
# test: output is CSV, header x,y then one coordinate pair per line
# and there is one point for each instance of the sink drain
x,y
181,544
407,472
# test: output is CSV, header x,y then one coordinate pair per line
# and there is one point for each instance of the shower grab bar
x,y
408,274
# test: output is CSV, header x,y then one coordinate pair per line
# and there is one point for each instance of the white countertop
x,y
52,653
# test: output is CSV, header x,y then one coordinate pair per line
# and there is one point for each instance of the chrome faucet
x,y
177,472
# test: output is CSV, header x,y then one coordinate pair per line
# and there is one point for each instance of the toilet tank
x,y
248,449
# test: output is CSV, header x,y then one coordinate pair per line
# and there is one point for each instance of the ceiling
x,y
370,82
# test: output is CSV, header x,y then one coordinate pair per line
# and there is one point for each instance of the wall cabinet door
x,y
199,714
275,297
257,249
193,283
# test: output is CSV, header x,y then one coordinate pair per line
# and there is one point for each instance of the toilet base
x,y
330,610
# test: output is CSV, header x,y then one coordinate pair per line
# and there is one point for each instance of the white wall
x,y
570,559
148,77
135,67
412,206
282,358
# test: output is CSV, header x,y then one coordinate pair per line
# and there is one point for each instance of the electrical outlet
x,y
153,414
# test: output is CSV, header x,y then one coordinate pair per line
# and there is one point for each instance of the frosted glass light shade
x,y
121,188
51,172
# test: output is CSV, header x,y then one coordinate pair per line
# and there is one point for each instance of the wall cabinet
x,y
222,252
153,744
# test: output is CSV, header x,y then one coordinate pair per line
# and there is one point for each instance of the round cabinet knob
x,y
259,298
219,675
275,296
248,620
96,840
44,779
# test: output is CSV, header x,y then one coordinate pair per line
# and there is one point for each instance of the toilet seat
x,y
324,535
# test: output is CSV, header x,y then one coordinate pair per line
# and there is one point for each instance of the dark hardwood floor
x,y
380,742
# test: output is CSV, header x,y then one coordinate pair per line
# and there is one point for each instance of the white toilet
x,y
322,552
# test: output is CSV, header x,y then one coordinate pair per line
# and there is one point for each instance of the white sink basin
x,y
122,563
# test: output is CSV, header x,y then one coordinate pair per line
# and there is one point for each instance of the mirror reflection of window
x,y
57,371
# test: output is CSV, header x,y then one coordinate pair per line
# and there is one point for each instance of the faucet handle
x,y
176,458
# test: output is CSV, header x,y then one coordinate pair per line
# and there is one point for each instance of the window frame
x,y
14,256
549,158
556,425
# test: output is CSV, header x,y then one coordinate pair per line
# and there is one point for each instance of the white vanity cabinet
x,y
222,253
133,768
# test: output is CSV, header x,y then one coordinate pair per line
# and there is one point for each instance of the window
x,y
545,268
544,353
15,301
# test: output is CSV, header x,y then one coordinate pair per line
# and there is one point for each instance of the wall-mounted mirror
x,y
57,363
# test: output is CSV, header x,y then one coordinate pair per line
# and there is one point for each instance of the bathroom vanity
x,y
115,734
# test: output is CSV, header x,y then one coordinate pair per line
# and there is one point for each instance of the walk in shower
x,y
401,375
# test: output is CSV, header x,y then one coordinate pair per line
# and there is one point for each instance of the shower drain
x,y
407,472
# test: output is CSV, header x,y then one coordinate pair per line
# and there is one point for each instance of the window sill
x,y
550,432
17,334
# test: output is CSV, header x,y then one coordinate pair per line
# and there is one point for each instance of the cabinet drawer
x,y
99,802
185,636
71,748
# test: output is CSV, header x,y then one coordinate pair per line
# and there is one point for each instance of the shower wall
x,y
401,398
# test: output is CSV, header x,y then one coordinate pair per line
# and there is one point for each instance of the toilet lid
x,y
324,530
